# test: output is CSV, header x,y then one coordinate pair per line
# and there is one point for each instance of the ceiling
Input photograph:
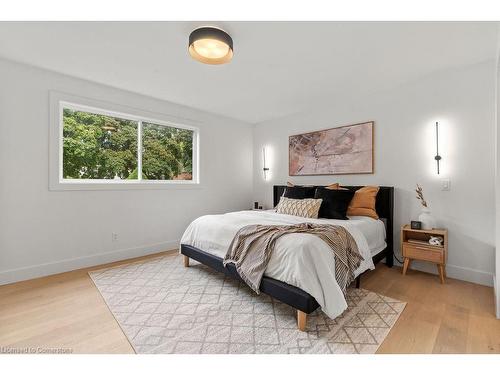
x,y
279,68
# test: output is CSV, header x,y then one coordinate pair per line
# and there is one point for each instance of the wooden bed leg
x,y
186,261
301,320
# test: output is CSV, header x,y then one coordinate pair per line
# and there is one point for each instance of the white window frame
x,y
59,101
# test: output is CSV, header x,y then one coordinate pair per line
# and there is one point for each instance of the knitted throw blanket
x,y
253,245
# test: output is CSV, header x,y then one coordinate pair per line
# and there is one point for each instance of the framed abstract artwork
x,y
342,150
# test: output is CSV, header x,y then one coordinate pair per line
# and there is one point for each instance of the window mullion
x,y
139,150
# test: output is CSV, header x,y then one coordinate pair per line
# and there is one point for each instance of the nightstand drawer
x,y
423,253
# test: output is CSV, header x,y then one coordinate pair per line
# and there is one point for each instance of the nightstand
x,y
415,246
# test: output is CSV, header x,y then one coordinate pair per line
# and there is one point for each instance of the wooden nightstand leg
x,y
406,264
441,273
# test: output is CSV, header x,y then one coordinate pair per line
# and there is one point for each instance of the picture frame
x,y
347,149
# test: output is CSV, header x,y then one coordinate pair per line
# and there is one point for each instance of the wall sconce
x,y
437,157
265,169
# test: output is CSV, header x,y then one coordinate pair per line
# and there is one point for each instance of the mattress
x,y
299,259
373,230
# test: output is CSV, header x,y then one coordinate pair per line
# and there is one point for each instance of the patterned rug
x,y
164,307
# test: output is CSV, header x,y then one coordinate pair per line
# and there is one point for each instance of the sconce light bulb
x,y
264,168
437,157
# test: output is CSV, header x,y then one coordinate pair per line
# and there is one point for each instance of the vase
x,y
428,221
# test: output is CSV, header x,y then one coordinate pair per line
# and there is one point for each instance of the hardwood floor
x,y
455,317
61,311
67,311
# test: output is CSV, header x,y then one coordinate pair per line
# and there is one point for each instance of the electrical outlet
x,y
114,237
445,184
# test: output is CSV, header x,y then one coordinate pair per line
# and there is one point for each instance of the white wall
x,y
497,184
44,231
464,102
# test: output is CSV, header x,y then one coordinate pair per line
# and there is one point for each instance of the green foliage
x,y
167,152
104,147
97,146
134,175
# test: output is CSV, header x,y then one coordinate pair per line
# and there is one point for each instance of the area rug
x,y
163,307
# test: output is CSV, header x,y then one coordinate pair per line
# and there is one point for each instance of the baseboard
x,y
45,269
457,272
51,268
497,296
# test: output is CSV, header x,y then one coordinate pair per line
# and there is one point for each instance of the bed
x,y
301,278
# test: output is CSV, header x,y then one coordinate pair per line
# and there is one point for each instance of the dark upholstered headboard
x,y
384,207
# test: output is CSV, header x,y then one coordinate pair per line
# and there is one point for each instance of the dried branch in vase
x,y
420,195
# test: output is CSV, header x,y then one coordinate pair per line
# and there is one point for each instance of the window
x,y
167,152
98,146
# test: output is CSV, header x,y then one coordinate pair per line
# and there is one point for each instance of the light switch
x,y
445,184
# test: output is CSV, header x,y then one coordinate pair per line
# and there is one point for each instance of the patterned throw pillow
x,y
299,207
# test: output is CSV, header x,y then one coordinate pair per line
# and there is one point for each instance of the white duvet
x,y
299,259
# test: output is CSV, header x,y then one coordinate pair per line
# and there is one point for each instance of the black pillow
x,y
335,203
299,192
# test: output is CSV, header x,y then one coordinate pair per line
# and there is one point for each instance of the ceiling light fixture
x,y
210,45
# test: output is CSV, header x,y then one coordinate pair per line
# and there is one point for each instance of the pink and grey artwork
x,y
342,150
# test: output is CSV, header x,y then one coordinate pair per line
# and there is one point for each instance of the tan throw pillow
x,y
299,207
363,202
334,186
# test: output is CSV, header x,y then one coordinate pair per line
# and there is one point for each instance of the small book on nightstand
x,y
422,242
